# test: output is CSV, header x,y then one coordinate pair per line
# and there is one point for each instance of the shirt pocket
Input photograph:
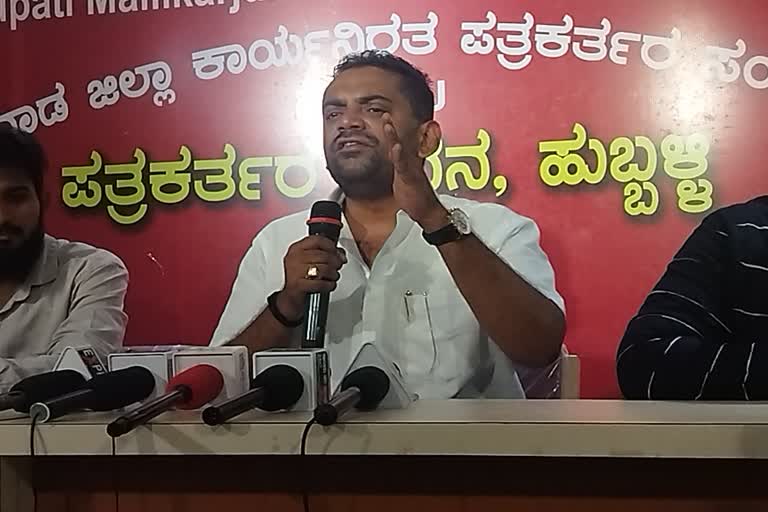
x,y
440,335
418,347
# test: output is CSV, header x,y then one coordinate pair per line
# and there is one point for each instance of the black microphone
x,y
363,389
39,388
105,392
324,220
277,388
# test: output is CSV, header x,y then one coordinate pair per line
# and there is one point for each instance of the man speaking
x,y
435,282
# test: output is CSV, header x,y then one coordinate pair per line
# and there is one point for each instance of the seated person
x,y
700,335
53,293
406,276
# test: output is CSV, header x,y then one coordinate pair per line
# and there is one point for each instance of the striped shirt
x,y
702,333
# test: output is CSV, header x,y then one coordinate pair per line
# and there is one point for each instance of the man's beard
x,y
17,262
372,179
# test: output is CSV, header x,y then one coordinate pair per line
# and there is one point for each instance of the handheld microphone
x,y
39,388
277,388
189,389
324,220
105,392
363,389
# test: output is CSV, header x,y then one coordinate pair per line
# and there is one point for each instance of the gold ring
x,y
312,272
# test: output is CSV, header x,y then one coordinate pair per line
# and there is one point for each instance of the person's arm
x,y
95,318
247,320
678,346
525,324
499,288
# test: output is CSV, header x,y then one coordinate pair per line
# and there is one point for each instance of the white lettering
x,y
42,11
204,3
235,8
749,72
16,16
128,6
101,7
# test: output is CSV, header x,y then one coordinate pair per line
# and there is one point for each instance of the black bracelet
x,y
272,305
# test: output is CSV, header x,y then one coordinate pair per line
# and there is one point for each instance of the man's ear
x,y
429,140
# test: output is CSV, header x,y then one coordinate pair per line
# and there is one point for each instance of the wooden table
x,y
461,455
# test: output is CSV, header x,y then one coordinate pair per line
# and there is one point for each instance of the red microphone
x,y
190,389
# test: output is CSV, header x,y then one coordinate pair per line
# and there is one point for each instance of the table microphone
x,y
324,220
39,388
363,389
190,389
277,388
105,392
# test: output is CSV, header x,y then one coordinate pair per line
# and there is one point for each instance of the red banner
x,y
176,129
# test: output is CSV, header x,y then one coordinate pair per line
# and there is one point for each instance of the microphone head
x,y
283,385
120,388
325,219
202,382
373,384
44,386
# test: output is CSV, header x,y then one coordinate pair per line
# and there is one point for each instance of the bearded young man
x,y
53,293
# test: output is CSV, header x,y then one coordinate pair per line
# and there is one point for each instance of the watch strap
x,y
448,233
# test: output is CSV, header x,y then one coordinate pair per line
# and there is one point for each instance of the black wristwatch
x,y
457,228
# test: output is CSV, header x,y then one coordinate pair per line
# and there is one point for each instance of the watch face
x,y
461,221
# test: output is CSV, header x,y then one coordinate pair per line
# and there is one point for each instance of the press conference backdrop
x,y
177,129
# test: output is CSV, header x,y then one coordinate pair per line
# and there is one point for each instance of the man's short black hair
x,y
415,84
20,151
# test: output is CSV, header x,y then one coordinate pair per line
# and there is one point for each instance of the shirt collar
x,y
47,267
403,222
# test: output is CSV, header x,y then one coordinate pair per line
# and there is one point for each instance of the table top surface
x,y
558,428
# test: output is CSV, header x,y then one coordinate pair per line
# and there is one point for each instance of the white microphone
x,y
82,359
284,380
166,362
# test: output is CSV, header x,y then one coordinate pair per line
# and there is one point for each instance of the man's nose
x,y
352,119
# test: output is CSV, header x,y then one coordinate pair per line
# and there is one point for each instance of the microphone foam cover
x,y
373,384
283,385
120,388
45,386
325,220
203,381
326,209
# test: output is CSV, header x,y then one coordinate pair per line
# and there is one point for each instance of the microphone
x,y
190,389
363,389
277,388
39,388
105,392
324,220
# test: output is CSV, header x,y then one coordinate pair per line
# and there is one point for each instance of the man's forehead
x,y
365,81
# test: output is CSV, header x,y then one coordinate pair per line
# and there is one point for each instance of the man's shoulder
x,y
752,211
286,227
77,256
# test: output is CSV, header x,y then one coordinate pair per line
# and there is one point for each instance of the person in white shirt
x,y
428,279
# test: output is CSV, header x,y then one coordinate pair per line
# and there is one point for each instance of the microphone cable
x,y
303,455
32,429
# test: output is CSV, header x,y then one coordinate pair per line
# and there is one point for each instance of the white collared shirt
x,y
407,303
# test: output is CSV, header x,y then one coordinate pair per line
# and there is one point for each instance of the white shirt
x,y
407,303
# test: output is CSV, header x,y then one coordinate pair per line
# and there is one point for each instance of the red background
x,y
183,259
